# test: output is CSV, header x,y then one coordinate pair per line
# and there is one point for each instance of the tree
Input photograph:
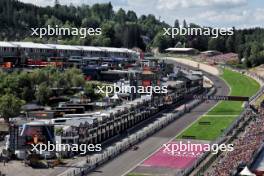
x,y
185,25
255,48
108,31
27,94
120,16
74,77
92,22
131,36
89,91
198,42
43,94
257,59
56,3
177,23
10,106
216,44
25,86
131,16
246,52
53,21
101,41
230,44
161,41
10,84
103,11
17,17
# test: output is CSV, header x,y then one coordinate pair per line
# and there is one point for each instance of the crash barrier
x,y
227,131
107,154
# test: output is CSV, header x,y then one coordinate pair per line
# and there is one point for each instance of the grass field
x,y
222,115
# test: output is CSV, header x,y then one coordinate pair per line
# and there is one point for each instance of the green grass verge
x,y
222,115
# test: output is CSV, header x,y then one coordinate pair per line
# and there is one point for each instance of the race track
x,y
128,160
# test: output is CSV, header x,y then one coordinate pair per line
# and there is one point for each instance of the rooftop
x,y
30,45
180,49
7,44
63,47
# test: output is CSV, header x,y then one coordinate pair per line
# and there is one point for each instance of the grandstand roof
x,y
89,48
117,50
63,47
180,49
6,44
30,45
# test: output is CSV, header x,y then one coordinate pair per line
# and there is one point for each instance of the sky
x,y
214,13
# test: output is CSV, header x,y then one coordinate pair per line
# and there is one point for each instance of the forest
x,y
120,29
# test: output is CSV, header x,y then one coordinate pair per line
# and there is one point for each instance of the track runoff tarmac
x,y
131,161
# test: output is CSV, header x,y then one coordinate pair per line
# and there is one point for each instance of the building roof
x,y
31,45
210,51
116,50
7,44
89,48
180,49
63,47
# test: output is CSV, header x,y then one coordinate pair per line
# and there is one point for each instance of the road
x,y
129,159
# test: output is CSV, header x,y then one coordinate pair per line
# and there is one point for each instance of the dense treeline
x,y
120,29
39,86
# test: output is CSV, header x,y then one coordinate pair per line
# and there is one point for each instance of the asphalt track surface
x,y
128,160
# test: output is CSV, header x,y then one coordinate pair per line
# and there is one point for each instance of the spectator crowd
x,y
249,140
218,58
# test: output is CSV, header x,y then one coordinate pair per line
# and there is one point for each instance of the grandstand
x,y
246,147
18,52
247,136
